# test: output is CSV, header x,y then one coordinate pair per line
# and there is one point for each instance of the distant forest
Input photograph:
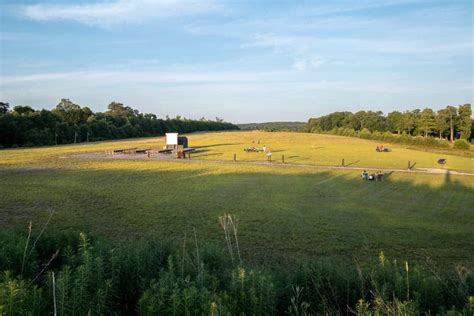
x,y
71,123
450,123
274,126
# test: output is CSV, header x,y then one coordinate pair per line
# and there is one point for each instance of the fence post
x,y
343,162
235,157
282,158
409,164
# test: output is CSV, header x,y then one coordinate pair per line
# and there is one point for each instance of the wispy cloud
x,y
308,52
349,6
299,48
197,93
305,63
158,76
109,13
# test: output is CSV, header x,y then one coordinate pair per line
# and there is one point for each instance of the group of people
x,y
381,148
365,176
265,149
252,149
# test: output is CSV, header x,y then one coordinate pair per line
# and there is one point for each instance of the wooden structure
x,y
175,145
173,140
178,145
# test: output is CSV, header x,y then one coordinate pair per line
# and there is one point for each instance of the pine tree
x,y
465,122
426,121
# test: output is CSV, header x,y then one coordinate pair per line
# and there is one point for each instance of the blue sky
x,y
245,61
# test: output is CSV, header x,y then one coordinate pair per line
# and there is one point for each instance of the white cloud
x,y
165,76
299,48
117,12
108,84
304,63
308,52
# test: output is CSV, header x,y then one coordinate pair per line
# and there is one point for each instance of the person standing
x,y
269,155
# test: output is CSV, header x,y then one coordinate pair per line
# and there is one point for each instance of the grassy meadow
x,y
286,213
298,148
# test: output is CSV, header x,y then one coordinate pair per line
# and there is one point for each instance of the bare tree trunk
x,y
452,130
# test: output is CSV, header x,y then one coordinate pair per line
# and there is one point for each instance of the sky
x,y
244,61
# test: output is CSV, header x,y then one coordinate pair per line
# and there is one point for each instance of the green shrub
x,y
365,133
404,138
17,297
461,144
152,277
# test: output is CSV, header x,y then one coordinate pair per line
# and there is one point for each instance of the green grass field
x,y
286,212
301,148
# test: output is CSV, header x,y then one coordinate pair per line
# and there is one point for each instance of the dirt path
x,y
279,164
272,164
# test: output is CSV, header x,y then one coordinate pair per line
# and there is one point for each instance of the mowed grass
x,y
298,148
286,213
305,148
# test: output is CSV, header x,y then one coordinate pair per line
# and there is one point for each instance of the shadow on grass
x,y
352,163
282,215
198,155
219,145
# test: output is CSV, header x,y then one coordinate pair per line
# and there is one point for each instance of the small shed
x,y
183,141
173,140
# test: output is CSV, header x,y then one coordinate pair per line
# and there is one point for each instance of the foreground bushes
x,y
155,278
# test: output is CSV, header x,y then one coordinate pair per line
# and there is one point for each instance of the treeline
x,y
71,123
450,123
274,126
69,274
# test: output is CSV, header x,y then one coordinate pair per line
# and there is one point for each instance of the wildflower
x,y
213,308
382,258
241,274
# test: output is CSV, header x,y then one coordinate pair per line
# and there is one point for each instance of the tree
x,y
68,122
375,121
408,122
453,115
426,121
395,121
4,106
71,112
464,122
23,110
442,121
117,109
472,127
357,121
